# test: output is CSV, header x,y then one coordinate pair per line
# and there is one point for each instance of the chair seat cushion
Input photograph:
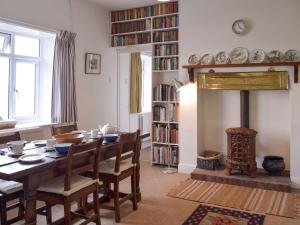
x,y
57,185
108,166
9,187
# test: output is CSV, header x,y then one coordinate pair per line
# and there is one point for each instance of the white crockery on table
x,y
16,147
108,129
31,158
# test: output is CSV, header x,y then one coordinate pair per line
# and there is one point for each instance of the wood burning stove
x,y
241,142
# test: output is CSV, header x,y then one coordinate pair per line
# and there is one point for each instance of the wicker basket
x,y
210,160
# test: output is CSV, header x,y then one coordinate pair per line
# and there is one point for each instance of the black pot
x,y
274,165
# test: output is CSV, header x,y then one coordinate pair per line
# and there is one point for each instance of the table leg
x,y
31,184
138,190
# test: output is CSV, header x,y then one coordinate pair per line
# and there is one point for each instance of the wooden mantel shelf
x,y
191,68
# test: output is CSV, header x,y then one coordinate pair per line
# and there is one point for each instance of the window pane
x,y
4,82
27,46
25,89
5,42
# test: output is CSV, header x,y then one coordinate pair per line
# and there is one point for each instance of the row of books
x,y
131,14
163,36
155,10
133,39
165,113
118,28
166,49
164,92
165,63
166,8
165,134
162,155
165,22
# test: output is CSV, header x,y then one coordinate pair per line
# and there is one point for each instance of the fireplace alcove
x,y
217,110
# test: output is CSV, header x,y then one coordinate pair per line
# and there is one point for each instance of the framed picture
x,y
92,63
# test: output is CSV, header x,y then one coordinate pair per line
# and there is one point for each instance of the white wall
x,y
205,27
96,94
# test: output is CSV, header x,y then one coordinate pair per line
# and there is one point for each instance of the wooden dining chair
x,y
112,171
11,190
72,187
63,128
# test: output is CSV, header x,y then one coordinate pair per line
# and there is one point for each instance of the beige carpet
x,y
156,208
237,197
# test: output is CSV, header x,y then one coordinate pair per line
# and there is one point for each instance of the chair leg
x,y
133,191
67,212
116,202
96,206
21,213
3,210
48,213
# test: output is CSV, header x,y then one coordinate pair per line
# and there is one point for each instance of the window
x,y
146,82
25,73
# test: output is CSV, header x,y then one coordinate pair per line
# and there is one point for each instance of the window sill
x,y
26,127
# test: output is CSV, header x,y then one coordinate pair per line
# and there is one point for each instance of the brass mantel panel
x,y
271,80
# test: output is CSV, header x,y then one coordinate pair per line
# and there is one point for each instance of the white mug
x,y
16,147
50,143
94,133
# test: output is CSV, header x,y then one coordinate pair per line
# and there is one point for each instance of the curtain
x,y
63,108
136,83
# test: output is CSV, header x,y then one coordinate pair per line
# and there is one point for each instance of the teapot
x,y
108,129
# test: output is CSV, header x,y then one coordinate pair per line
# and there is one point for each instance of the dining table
x,y
52,165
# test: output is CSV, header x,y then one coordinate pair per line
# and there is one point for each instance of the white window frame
x,y
13,59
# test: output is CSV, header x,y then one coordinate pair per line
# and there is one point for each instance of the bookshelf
x,y
158,26
145,25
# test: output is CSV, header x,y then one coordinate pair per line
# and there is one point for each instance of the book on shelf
x,y
165,155
119,28
166,49
160,133
165,63
165,8
165,113
165,22
131,14
164,92
132,39
173,134
159,113
165,36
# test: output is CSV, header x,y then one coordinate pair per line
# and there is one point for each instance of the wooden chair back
x,y
62,129
11,137
128,148
83,158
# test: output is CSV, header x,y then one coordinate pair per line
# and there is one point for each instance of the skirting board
x,y
295,182
186,168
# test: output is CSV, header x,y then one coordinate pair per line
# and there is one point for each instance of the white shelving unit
x,y
164,54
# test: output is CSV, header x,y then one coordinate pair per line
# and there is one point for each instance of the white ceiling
x,y
123,4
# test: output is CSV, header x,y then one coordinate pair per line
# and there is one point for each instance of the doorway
x,y
130,122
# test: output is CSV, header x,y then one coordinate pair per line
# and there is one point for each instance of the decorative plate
x,y
222,58
275,56
292,55
194,59
31,158
257,56
239,55
207,59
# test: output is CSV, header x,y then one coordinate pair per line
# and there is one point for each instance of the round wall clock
x,y
239,26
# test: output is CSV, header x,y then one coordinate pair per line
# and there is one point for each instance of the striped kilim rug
x,y
238,197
